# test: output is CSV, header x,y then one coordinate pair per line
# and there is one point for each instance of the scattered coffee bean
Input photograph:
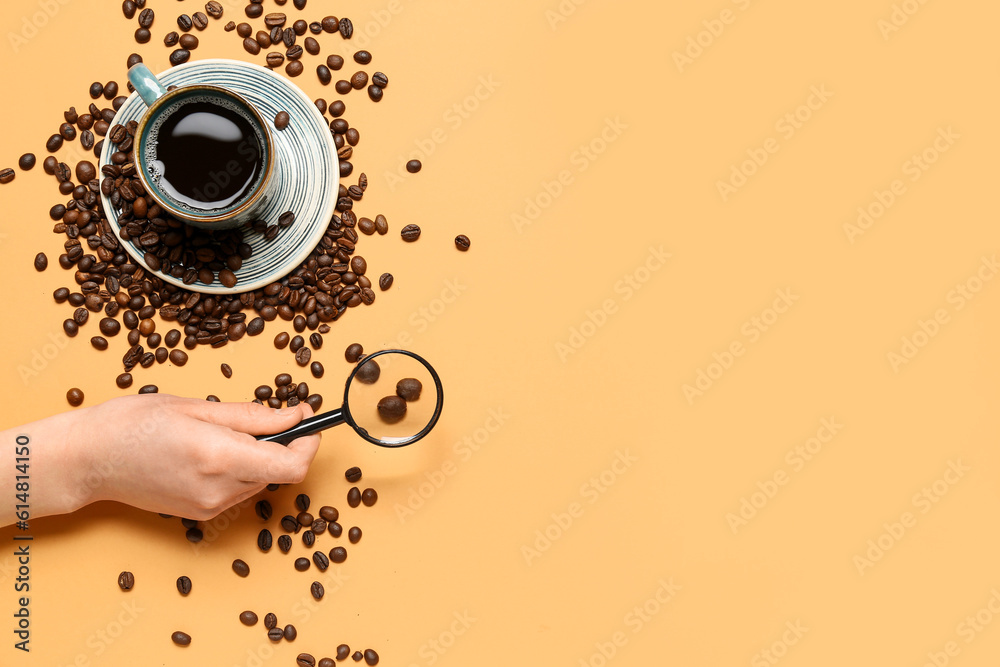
x,y
255,326
263,509
274,634
346,28
149,389
329,514
301,564
305,660
462,242
302,502
323,73
194,535
183,585
142,35
26,161
262,392
391,409
230,26
270,621
343,86
338,555
380,79
244,30
128,9
359,80
302,356
354,352
200,20
281,120
371,657
181,638
335,529
173,337
251,45
316,368
178,357
343,652
317,590
410,233
264,541
189,42
241,568
354,496
7,175
354,534
184,22
385,281
368,372
99,342
41,262
126,580
248,618
357,656
171,39
124,381
321,561
227,371
285,543
369,497
311,46
54,143
308,538
214,9
294,68
304,518
290,633
74,397
375,93
179,56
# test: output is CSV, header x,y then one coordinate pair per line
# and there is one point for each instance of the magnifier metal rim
x,y
349,418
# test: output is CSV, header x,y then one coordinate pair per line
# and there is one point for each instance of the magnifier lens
x,y
392,397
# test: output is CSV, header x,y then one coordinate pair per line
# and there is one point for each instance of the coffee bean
x,y
7,175
288,37
335,529
371,657
142,35
317,590
244,30
54,143
409,389
354,534
304,518
362,57
354,496
183,585
323,73
374,93
270,621
241,568
391,409
275,59
263,38
338,555
346,28
274,634
413,166
214,9
302,356
230,26
316,368
330,24
263,509
194,535
173,337
124,381
41,262
380,79
184,22
359,80
305,660
248,618
354,352
251,45
178,357
385,281
321,561
311,46
368,372
255,326
329,514
263,541
290,633
343,651
294,68
410,233
289,524
99,343
302,502
334,62
343,87
178,56
200,20
181,638
369,497
381,224
126,580
284,543
301,564
357,656
308,538
26,161
462,242
128,9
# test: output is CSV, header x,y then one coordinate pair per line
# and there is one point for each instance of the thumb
x,y
251,418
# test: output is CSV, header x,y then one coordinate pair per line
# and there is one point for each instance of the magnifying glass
x,y
392,398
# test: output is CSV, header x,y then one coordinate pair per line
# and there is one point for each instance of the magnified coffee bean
x,y
369,372
391,409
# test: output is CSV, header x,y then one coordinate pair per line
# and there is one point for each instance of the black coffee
x,y
205,154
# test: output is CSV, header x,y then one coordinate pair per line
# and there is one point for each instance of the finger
x,y
271,463
251,418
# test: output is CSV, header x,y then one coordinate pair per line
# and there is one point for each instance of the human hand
x,y
181,456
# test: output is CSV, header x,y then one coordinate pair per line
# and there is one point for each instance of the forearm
x,y
44,465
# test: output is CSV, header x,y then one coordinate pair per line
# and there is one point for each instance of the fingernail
x,y
286,411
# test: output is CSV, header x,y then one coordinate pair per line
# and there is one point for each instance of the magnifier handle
x,y
314,424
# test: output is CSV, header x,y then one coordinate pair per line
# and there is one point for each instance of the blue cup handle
x,y
146,84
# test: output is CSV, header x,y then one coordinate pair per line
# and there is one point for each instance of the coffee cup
x,y
203,153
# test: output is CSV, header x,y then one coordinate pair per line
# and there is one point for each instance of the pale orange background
x,y
522,292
